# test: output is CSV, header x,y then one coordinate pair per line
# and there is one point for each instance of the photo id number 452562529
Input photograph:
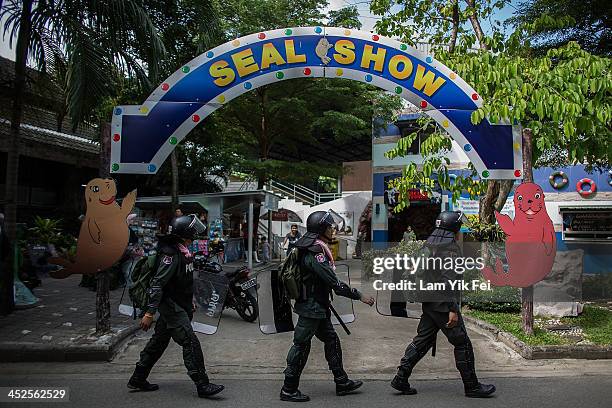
x,y
13,394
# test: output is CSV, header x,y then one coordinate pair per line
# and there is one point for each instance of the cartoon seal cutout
x,y
530,241
104,232
321,50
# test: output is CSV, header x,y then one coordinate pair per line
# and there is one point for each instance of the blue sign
x,y
143,136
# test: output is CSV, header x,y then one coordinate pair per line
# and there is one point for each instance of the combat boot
x,y
479,390
347,386
293,396
400,383
138,380
204,387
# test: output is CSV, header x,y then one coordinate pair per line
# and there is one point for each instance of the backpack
x,y
143,272
291,276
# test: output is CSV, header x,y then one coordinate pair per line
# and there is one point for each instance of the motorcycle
x,y
242,293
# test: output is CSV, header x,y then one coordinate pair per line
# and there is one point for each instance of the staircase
x,y
295,192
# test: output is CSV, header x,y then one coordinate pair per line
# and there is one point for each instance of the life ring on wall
x,y
610,178
558,184
582,182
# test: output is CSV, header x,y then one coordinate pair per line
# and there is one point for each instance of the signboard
x,y
587,224
143,136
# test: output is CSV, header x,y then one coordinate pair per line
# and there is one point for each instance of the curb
x,y
83,348
585,352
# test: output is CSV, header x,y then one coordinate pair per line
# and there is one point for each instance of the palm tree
x,y
100,40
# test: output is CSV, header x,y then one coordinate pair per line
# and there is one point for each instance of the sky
x,y
367,19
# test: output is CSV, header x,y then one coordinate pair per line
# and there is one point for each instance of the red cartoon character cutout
x,y
530,241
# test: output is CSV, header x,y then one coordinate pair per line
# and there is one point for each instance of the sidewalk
x,y
58,328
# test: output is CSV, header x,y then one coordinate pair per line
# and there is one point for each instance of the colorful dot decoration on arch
x,y
467,147
116,137
375,37
368,78
173,140
429,60
486,174
115,167
398,89
143,109
152,168
445,123
453,75
517,173
118,111
516,146
288,31
403,47
318,30
236,43
423,104
221,98
248,85
475,96
307,71
165,86
339,72
280,75
185,69
347,32
195,118
210,54
261,36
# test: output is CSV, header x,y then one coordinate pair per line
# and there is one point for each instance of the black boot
x,y
293,396
347,386
400,383
138,380
204,386
479,390
464,360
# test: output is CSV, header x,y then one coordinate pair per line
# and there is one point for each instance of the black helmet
x,y
318,222
450,220
187,226
448,224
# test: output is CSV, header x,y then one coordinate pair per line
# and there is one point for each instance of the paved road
x,y
563,392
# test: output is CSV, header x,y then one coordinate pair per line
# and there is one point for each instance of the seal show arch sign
x,y
143,136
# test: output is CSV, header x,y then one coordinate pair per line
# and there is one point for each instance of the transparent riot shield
x,y
395,303
209,290
275,310
343,305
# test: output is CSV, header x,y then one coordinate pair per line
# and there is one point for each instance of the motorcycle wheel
x,y
246,306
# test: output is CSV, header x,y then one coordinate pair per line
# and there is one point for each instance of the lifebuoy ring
x,y
558,184
610,178
582,182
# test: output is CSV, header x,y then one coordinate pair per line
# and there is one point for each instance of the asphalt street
x,y
557,392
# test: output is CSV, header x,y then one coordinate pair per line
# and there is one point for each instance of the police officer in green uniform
x,y
171,294
319,280
442,313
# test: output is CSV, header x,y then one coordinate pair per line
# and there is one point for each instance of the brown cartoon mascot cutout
x,y
104,233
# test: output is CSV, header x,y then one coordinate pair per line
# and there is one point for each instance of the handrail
x,y
301,193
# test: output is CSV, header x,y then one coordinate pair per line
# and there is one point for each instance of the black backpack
x,y
291,275
142,274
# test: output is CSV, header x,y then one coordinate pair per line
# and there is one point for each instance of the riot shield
x,y
209,290
396,303
275,310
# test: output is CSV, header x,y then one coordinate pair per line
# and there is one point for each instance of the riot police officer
x,y
171,294
443,313
319,280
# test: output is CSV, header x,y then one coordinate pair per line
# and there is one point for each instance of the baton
x,y
340,320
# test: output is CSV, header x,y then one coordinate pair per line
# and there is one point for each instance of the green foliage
x,y
482,231
511,323
48,231
563,96
557,22
596,323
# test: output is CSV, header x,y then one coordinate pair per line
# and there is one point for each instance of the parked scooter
x,y
242,292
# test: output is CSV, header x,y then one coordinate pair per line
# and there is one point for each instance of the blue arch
x,y
144,135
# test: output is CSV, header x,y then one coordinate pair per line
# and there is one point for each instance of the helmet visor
x,y
333,219
196,225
